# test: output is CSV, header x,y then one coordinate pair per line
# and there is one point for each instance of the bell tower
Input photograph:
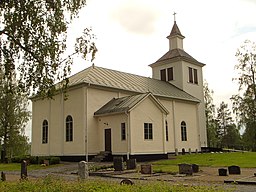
x,y
179,68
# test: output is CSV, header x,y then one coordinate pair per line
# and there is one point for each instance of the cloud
x,y
136,18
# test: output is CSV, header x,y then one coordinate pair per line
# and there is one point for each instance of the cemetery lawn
x,y
49,184
17,167
244,160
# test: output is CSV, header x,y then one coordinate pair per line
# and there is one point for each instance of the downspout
x,y
164,132
62,123
198,126
128,136
174,124
87,131
50,125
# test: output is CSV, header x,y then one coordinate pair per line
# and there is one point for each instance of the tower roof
x,y
175,31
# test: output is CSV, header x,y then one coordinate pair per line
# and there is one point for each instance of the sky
x,y
131,34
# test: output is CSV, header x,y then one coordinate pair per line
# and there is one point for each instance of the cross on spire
x,y
174,15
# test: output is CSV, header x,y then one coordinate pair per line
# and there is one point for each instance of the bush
x,y
19,159
36,160
54,160
33,160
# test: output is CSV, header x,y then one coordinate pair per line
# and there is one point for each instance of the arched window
x,y
45,132
69,128
183,131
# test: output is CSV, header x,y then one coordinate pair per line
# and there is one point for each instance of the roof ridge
x,y
109,78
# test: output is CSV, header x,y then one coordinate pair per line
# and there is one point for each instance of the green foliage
x,y
54,160
211,124
228,133
36,160
244,103
242,159
14,117
221,130
54,185
34,41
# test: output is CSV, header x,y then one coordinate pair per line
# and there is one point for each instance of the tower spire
x,y
175,37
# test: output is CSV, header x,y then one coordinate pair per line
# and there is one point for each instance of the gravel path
x,y
207,176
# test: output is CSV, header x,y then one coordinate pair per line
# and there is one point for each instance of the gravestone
x,y
183,151
185,169
195,168
118,163
223,172
3,177
46,162
146,169
83,172
24,172
176,152
235,170
131,164
126,182
189,151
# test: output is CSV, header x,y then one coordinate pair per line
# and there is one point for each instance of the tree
x,y
33,56
14,116
228,133
211,125
232,138
34,38
224,119
244,103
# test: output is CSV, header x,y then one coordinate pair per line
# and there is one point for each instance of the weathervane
x,y
174,14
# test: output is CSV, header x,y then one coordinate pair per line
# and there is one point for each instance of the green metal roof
x,y
128,82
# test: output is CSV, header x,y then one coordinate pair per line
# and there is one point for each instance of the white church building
x,y
124,114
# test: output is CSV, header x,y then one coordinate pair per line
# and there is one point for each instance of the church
x,y
113,113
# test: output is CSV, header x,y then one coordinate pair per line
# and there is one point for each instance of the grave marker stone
x,y
83,170
118,163
235,170
146,169
223,172
24,172
131,164
185,169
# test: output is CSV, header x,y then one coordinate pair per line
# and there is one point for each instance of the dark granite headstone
x,y
118,163
23,173
3,177
183,152
234,170
195,168
223,172
131,164
185,169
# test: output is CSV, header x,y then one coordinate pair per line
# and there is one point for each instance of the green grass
x,y
17,167
49,184
244,160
